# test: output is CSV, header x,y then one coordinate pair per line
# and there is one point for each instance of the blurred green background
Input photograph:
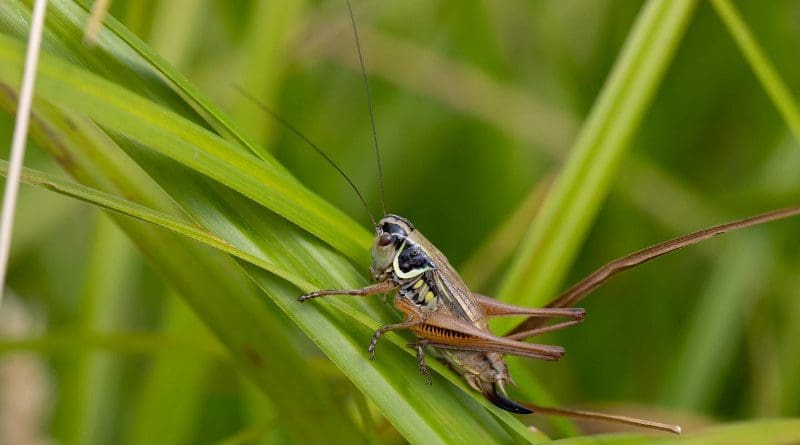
x,y
477,105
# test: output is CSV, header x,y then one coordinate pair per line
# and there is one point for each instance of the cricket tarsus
x,y
601,275
369,104
589,415
423,368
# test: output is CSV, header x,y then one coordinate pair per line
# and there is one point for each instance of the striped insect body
x,y
444,314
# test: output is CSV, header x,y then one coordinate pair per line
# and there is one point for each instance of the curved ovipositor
x,y
495,394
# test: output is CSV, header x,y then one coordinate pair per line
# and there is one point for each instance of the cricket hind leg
x,y
521,349
452,333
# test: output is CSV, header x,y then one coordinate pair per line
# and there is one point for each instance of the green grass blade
x,y
555,236
283,244
269,27
759,62
246,322
472,107
174,25
171,135
180,375
124,41
91,383
139,212
119,205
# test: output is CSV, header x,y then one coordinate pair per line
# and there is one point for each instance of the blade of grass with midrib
x,y
177,136
247,327
566,214
136,211
410,421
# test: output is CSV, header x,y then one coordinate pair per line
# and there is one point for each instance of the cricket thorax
x,y
396,256
411,270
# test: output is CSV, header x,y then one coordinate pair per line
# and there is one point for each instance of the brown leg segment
x,y
389,327
501,349
451,333
423,368
373,289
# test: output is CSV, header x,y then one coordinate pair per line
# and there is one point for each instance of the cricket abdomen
x,y
485,372
427,331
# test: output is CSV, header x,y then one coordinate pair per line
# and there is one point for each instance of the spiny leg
x,y
423,368
520,351
389,327
459,334
373,289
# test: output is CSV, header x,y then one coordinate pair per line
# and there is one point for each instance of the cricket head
x,y
390,237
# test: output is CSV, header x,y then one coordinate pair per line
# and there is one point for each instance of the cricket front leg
x,y
390,327
414,318
373,289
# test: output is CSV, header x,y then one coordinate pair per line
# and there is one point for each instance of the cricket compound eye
x,y
385,239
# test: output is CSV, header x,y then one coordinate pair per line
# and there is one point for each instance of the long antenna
x,y
369,104
297,132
